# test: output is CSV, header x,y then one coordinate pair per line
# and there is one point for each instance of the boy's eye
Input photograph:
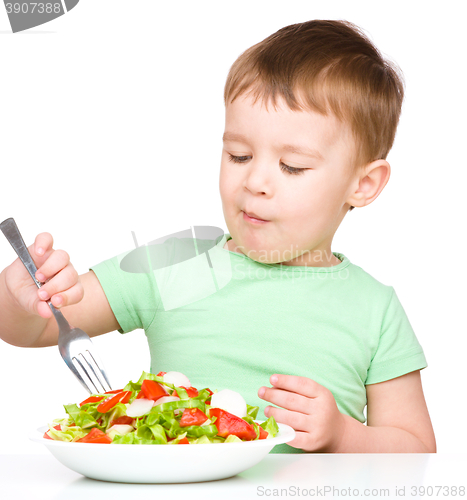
x,y
292,170
284,167
238,159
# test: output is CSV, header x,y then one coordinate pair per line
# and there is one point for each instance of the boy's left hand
x,y
307,407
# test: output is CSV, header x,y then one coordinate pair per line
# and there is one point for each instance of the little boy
x,y
311,114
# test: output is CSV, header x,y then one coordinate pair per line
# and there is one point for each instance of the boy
x,y
311,114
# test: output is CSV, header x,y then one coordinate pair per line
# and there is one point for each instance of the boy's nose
x,y
258,177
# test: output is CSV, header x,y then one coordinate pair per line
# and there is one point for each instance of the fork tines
x,y
86,368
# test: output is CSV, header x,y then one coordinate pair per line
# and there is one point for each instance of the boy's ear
x,y
369,183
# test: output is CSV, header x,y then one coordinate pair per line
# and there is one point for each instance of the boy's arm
x,y
92,314
398,420
25,317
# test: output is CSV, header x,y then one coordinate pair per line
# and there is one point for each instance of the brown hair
x,y
335,67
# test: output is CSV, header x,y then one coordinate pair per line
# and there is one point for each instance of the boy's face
x,y
303,210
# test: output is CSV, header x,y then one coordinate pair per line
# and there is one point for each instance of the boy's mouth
x,y
252,217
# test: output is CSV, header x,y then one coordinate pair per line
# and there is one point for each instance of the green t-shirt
x,y
227,321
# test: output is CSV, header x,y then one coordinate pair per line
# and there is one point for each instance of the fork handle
x,y
12,234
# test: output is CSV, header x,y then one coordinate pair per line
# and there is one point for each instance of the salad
x,y
161,409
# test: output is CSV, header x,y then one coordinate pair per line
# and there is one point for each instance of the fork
x,y
73,343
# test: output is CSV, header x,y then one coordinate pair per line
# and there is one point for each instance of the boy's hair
x,y
334,67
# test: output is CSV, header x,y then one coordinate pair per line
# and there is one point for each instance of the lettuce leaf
x,y
154,433
198,431
203,395
207,440
232,439
271,427
252,411
132,438
175,405
67,434
81,417
182,394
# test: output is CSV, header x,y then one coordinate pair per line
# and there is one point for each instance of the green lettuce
x,y
152,432
271,427
67,434
175,405
206,440
232,439
203,395
252,411
132,438
200,430
80,417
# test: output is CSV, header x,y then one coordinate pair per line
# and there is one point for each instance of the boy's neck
x,y
333,261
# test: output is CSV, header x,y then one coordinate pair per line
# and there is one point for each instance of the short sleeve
x,y
398,351
133,296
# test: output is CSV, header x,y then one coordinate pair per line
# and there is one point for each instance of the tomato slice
x,y
126,397
262,433
111,401
192,416
123,420
95,436
227,423
191,391
152,390
92,399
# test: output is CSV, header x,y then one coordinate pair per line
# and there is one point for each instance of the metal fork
x,y
73,343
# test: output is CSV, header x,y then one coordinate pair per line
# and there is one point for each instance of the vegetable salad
x,y
161,409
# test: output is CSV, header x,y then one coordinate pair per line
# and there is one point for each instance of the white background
x,y
111,120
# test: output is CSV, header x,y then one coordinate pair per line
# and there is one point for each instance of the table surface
x,y
41,476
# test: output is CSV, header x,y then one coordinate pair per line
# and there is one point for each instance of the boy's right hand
x,y
62,285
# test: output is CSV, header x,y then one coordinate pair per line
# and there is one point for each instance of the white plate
x,y
126,463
